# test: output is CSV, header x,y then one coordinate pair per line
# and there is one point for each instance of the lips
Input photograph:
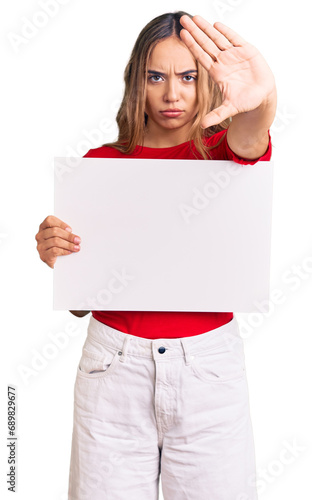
x,y
172,113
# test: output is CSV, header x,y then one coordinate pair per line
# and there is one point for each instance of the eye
x,y
189,78
155,78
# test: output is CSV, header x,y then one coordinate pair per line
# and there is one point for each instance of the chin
x,y
174,124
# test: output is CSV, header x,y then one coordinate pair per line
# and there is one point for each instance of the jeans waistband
x,y
164,348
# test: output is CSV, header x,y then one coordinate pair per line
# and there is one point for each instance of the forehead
x,y
171,52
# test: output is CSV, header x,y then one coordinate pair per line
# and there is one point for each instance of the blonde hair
x,y
131,118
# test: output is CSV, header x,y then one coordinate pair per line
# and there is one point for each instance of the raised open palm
x,y
239,69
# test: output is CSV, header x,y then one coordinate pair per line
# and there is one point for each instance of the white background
x,y
60,92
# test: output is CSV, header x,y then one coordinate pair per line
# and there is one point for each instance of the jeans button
x,y
161,350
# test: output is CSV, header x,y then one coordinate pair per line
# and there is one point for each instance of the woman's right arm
x,y
56,238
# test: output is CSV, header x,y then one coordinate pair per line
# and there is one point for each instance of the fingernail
x,y
77,239
69,229
76,247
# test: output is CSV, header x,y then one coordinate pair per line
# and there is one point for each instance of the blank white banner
x,y
164,235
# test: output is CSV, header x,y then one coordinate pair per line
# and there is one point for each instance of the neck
x,y
164,138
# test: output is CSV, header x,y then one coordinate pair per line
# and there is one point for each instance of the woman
x,y
167,391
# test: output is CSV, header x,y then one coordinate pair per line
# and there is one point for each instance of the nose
x,y
172,90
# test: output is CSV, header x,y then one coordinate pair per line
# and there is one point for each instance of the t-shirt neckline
x,y
165,149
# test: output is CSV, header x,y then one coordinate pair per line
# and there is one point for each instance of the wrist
x,y
248,134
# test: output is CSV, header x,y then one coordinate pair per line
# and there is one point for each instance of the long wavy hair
x,y
131,117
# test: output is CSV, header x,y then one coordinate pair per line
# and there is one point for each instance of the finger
x,y
218,115
58,244
231,35
56,232
200,55
219,40
52,232
200,37
52,221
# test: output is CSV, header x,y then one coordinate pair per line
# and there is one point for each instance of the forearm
x,y
79,314
247,133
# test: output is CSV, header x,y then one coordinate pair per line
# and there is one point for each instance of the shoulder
x,y
103,152
219,149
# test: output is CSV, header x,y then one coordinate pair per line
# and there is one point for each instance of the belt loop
x,y
186,352
126,341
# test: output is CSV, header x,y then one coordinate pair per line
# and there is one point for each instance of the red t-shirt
x,y
167,324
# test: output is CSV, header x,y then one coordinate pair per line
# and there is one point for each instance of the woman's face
x,y
171,91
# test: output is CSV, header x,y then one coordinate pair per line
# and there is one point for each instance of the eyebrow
x,y
183,73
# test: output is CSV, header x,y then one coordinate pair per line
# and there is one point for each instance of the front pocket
x,y
93,365
223,365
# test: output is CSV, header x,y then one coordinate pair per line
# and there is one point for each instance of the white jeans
x,y
179,407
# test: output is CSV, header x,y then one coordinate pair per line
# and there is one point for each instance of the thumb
x,y
218,115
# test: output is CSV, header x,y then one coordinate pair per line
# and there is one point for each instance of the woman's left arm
x,y
248,134
246,82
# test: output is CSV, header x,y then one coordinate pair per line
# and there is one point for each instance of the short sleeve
x,y
90,154
222,151
102,152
